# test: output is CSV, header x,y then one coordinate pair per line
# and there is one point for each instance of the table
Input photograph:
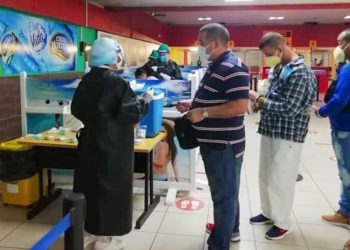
x,y
65,155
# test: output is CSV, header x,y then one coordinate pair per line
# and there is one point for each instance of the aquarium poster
x,y
174,90
48,93
35,45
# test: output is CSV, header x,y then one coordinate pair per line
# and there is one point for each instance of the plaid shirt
x,y
286,111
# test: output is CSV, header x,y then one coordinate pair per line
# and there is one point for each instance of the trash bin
x,y
18,173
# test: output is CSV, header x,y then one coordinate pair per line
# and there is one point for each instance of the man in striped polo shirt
x,y
217,113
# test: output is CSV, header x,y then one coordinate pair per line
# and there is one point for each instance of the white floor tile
x,y
313,199
324,236
139,201
333,199
267,246
153,222
184,224
329,186
254,195
176,242
243,245
7,228
25,235
306,185
137,240
310,215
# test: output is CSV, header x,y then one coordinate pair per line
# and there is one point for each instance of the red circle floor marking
x,y
189,204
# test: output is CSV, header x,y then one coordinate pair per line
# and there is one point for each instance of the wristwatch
x,y
205,113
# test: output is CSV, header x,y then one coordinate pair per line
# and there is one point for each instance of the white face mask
x,y
202,53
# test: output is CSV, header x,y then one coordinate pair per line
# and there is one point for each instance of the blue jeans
x,y
341,146
223,171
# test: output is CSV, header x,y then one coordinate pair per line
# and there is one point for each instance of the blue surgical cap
x,y
104,51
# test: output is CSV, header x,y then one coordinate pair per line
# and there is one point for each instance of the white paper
x,y
12,188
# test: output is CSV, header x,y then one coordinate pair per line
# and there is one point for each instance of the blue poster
x,y
35,45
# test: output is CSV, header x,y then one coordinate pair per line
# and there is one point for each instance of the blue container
x,y
153,120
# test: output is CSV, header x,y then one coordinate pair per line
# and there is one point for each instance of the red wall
x,y
249,36
139,25
136,25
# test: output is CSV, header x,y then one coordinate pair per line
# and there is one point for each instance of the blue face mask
x,y
163,59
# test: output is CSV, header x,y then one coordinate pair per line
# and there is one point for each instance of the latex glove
x,y
165,76
154,68
148,95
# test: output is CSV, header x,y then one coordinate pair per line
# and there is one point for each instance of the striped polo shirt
x,y
227,79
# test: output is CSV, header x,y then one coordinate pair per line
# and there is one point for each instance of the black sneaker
x,y
260,220
276,233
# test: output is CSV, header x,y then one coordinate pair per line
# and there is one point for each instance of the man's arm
x,y
300,85
341,96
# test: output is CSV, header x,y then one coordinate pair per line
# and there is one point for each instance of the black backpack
x,y
329,94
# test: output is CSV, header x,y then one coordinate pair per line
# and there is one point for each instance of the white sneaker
x,y
114,244
89,239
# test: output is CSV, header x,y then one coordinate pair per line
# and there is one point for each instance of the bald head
x,y
344,36
272,40
216,32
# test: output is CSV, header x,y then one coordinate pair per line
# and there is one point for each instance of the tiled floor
x,y
170,228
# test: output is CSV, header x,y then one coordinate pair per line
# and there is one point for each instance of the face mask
x,y
272,61
202,53
163,59
339,55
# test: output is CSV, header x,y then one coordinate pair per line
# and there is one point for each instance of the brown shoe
x,y
337,219
347,245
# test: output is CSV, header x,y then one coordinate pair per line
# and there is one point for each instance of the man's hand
x,y
253,96
183,106
315,108
195,115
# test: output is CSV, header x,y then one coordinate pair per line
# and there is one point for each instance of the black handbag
x,y
329,94
185,133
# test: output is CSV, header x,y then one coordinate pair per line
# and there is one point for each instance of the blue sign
x,y
35,45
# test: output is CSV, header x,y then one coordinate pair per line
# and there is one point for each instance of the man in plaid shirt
x,y
285,116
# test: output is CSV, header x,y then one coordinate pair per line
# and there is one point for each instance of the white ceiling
x,y
256,17
179,3
245,16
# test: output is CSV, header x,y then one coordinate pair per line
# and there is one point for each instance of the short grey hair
x,y
344,35
216,31
271,39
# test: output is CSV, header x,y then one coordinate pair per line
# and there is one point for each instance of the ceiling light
x,y
204,18
347,17
239,0
193,49
276,18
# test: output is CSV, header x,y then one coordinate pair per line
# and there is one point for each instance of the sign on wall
x,y
35,45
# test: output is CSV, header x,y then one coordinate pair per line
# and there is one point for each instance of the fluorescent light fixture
x,y
239,0
276,18
193,49
347,17
204,18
